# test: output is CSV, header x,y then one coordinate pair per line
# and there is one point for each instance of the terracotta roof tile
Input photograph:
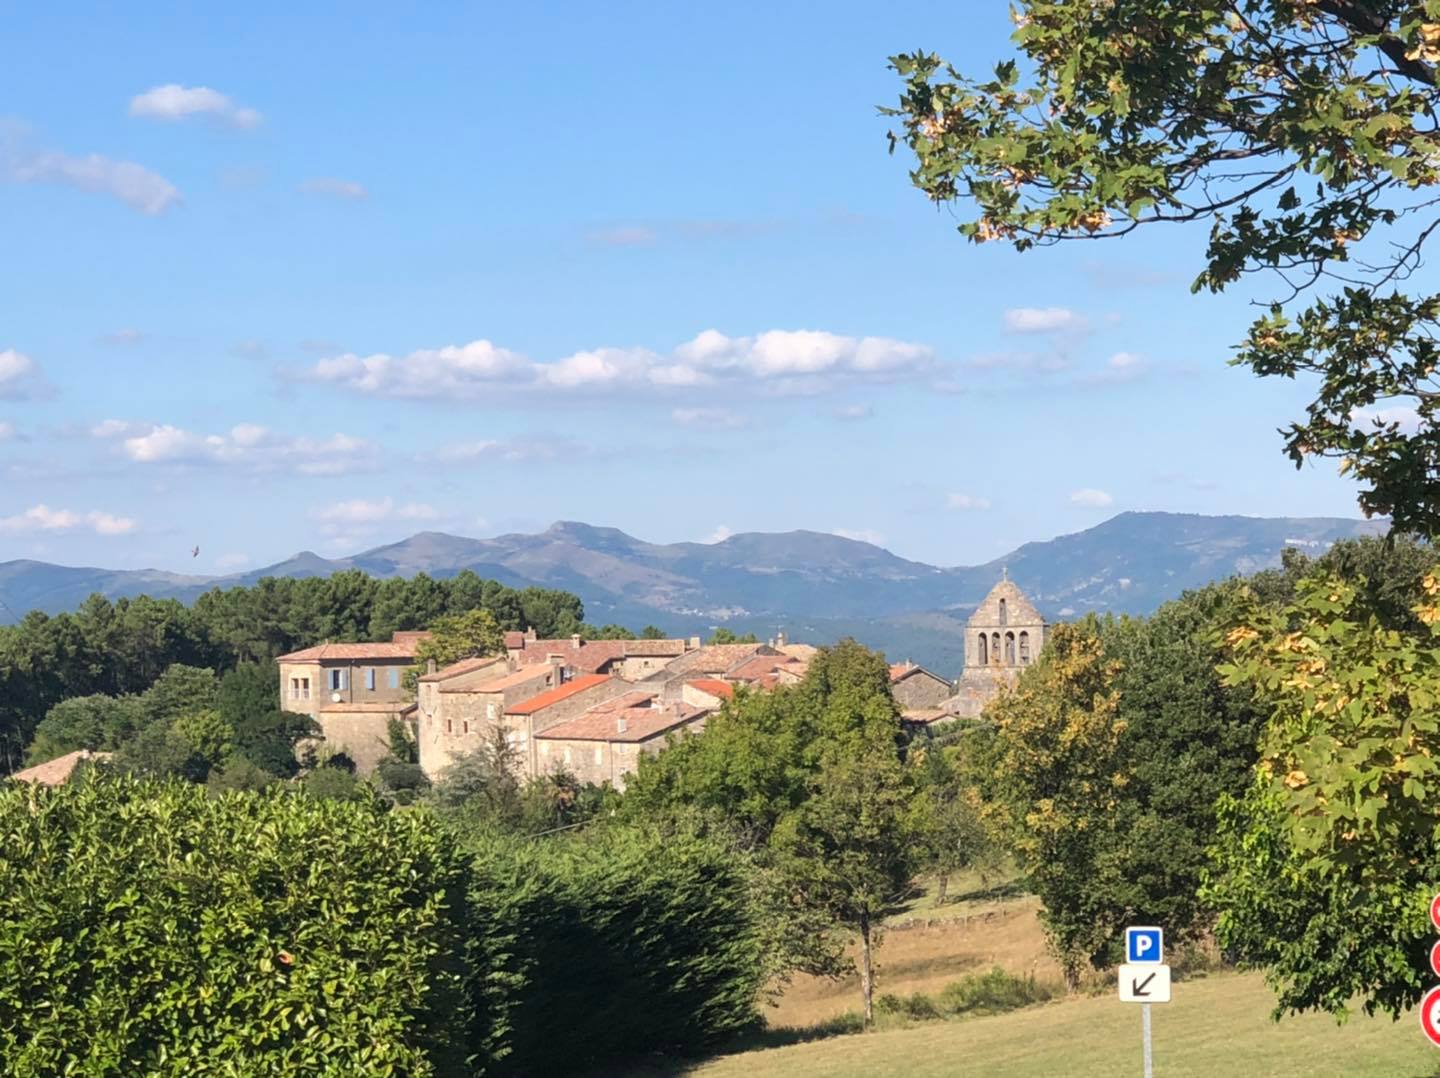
x,y
641,723
464,666
380,649
553,696
533,672
714,687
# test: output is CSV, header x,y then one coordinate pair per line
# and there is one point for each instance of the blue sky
x,y
276,282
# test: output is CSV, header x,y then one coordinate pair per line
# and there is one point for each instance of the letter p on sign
x,y
1144,944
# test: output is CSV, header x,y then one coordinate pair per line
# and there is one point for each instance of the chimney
x,y
620,725
429,666
558,662
575,641
530,636
692,644
780,639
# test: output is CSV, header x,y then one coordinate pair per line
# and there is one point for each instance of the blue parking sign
x,y
1144,943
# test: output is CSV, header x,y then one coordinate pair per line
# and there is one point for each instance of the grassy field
x,y
1216,1026
927,947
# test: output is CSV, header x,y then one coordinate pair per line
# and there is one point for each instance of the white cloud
x,y
1405,418
854,411
1121,361
360,511
246,445
136,186
337,188
453,371
781,361
44,519
1090,498
708,418
175,102
232,561
20,377
967,502
719,535
1042,319
862,535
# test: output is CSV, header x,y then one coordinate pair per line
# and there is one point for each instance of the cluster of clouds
x,y
135,185
780,360
20,377
41,518
175,102
247,445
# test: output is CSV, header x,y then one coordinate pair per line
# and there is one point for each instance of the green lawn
x,y
1216,1026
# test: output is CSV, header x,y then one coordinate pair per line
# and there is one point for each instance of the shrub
x,y
333,783
151,928
992,993
916,1008
602,948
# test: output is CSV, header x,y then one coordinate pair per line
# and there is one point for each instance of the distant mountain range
x,y
814,585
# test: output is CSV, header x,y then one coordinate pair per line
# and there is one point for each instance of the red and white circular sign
x,y
1430,1014
1435,958
1435,912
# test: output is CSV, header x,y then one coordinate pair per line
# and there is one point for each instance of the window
x,y
394,677
490,712
449,726
465,727
337,680
294,688
995,648
1004,614
1009,649
304,688
1024,648
370,678
983,654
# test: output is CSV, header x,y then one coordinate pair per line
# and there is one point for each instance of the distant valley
x,y
814,585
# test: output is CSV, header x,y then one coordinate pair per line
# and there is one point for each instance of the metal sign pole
x,y
1145,1018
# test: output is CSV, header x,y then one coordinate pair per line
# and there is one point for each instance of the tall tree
x,y
1325,867
847,852
1302,132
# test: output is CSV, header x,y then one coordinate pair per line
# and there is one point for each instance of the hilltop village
x,y
593,707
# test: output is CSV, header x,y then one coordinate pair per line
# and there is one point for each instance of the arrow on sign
x,y
1138,989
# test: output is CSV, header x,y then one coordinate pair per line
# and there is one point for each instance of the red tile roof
x,y
401,647
641,723
763,666
532,672
591,655
557,694
900,670
464,666
722,689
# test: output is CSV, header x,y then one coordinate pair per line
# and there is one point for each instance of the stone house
x,y
57,772
352,691
708,693
529,718
606,742
918,690
466,707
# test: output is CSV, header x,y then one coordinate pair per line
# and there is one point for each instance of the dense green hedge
x,y
609,948
155,928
